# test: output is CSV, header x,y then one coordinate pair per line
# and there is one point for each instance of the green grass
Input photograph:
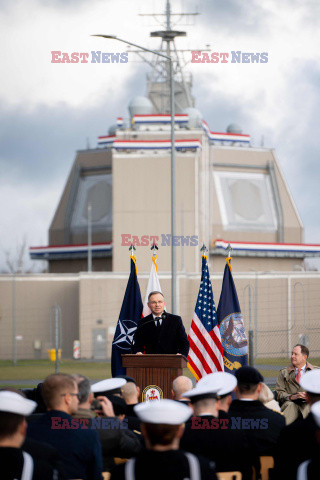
x,y
39,369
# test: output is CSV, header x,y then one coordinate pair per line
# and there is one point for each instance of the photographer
x,y
116,440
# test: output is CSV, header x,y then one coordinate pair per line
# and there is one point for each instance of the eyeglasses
x,y
72,394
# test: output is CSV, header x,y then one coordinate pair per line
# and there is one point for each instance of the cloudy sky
x,y
49,110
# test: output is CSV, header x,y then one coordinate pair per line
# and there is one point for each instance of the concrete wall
x,y
32,298
282,306
236,160
142,206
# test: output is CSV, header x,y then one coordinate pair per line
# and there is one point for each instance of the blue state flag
x,y
233,335
130,314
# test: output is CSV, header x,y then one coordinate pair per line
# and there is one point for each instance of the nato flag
x,y
233,335
130,313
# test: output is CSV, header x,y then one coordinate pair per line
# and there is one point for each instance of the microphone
x,y
138,328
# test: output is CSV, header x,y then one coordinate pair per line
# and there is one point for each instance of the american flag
x,y
206,352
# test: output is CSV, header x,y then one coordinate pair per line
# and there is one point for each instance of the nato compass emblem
x,y
125,330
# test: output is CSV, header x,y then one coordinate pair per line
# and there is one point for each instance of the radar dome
x,y
112,130
195,117
140,106
234,128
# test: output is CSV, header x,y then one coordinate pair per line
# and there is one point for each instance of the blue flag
x,y
130,314
233,335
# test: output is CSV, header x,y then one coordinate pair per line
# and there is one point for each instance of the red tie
x,y
298,376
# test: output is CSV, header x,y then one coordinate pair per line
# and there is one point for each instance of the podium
x,y
154,374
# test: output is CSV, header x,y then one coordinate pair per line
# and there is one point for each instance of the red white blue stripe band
x,y
266,249
63,251
179,118
149,144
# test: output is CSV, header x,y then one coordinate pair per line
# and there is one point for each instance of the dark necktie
x,y
157,319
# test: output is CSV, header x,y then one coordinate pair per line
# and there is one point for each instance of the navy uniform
x,y
261,425
115,437
171,464
213,436
167,463
309,469
16,463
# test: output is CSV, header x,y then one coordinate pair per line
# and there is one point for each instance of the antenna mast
x,y
158,88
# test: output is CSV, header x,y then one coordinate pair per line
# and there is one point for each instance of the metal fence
x,y
39,312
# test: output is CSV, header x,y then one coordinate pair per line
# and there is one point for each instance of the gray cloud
x,y
40,145
233,17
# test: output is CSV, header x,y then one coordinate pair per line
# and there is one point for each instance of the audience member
x,y
162,427
16,463
112,389
180,385
225,391
309,469
261,425
130,394
267,398
290,395
79,448
208,435
116,441
286,464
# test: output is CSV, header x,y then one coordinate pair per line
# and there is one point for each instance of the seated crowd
x,y
225,423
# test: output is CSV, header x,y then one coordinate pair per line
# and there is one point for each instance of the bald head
x,y
180,385
130,393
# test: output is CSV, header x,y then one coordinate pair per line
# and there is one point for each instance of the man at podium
x,y
160,332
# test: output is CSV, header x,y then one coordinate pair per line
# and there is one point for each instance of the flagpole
x,y
229,258
206,351
153,249
229,315
204,250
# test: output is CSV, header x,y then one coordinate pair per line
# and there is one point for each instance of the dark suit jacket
x,y
289,453
171,337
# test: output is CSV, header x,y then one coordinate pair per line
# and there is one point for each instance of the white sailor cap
x,y
310,381
315,410
14,403
225,382
110,385
164,411
213,385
